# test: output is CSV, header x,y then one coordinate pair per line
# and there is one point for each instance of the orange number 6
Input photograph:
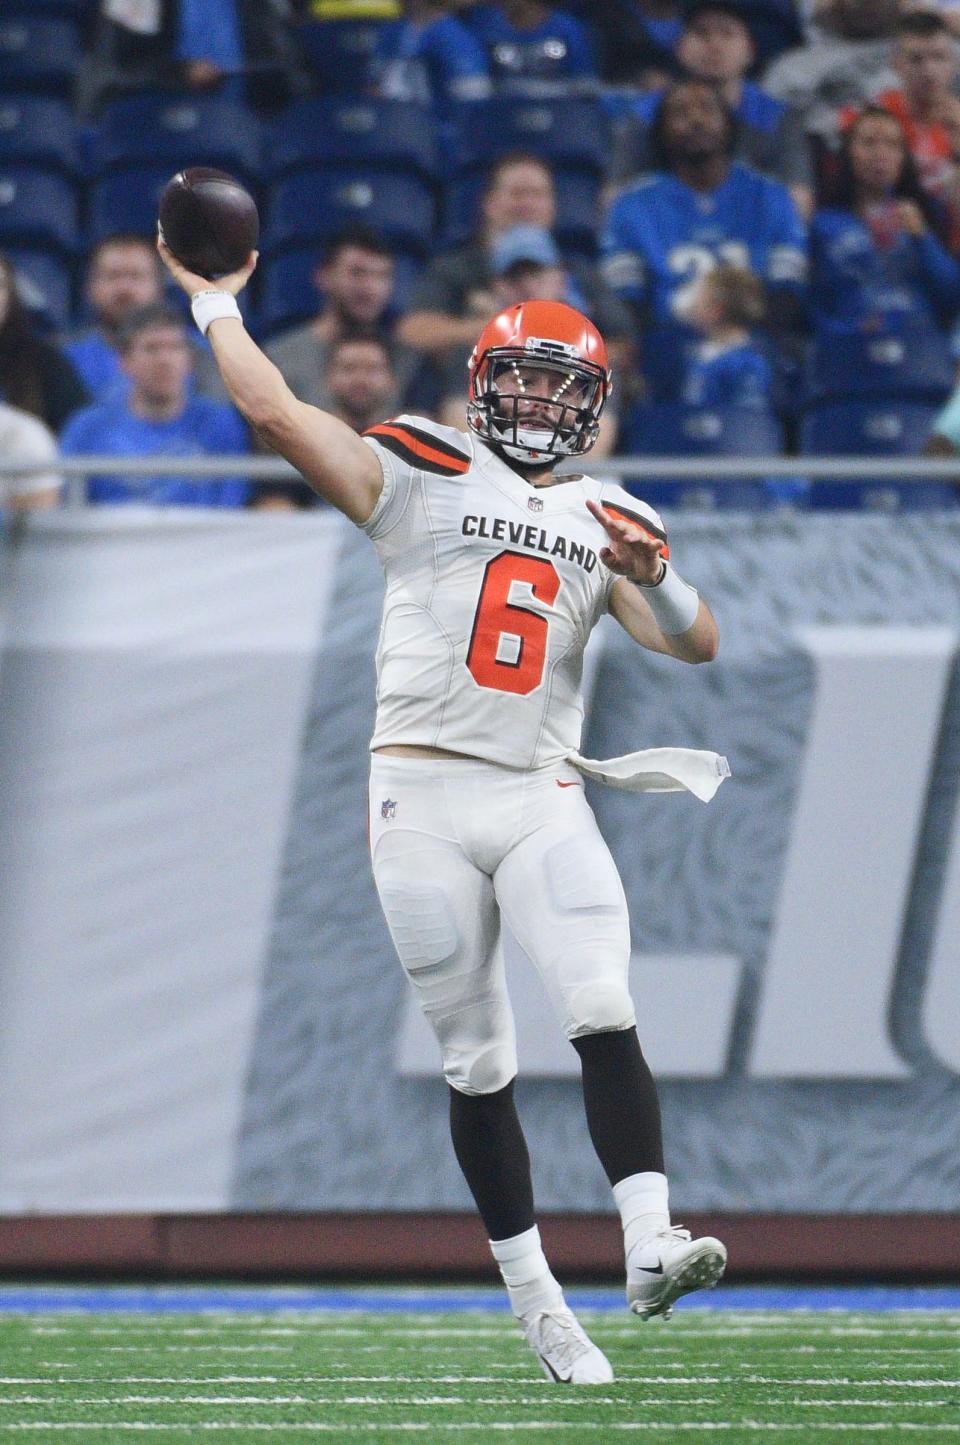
x,y
508,646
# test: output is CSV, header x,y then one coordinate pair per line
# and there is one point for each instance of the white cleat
x,y
565,1351
668,1264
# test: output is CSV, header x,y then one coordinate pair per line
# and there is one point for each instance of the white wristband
x,y
210,306
673,602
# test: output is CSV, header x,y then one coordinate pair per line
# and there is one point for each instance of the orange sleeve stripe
x,y
632,522
421,449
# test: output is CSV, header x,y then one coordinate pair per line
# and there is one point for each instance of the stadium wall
x,y
200,1014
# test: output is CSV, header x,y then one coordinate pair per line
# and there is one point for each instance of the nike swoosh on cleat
x,y
568,785
651,1268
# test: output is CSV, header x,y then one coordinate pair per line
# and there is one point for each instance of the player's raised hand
x,y
192,283
631,551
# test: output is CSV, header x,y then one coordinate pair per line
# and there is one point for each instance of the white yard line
x,y
323,1427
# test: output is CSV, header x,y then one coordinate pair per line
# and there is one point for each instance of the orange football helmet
x,y
538,382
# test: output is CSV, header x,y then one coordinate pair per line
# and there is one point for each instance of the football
x,y
208,220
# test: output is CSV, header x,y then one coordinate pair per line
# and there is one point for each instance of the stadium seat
x,y
178,130
38,52
126,200
872,429
572,134
79,11
340,131
675,430
310,204
43,282
288,295
913,365
38,130
38,208
341,55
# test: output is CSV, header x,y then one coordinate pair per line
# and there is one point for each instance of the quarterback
x,y
496,571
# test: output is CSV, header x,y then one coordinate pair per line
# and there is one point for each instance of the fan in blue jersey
x,y
877,262
529,40
699,209
430,56
727,368
716,45
159,418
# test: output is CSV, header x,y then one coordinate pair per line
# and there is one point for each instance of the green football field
x,y
436,1372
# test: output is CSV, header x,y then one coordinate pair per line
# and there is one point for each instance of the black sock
x,y
620,1097
492,1152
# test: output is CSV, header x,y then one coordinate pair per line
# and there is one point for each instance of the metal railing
x,y
851,470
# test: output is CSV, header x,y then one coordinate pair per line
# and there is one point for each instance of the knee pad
x,y
479,1048
601,1006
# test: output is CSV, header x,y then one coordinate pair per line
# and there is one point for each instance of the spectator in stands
x,y
431,57
453,295
159,418
34,374
26,441
876,260
241,48
123,276
845,62
699,208
525,265
360,387
728,369
528,40
355,278
927,63
716,45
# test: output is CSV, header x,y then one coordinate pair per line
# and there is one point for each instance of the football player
x,y
496,572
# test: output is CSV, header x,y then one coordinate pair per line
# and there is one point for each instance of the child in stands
x,y
727,368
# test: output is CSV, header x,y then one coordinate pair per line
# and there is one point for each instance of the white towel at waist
x,y
658,770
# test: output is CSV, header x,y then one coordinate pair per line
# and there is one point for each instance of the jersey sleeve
x,y
409,447
628,508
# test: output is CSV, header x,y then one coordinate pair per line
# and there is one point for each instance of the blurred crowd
x,y
756,201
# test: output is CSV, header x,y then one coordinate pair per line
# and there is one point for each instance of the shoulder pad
x,y
424,444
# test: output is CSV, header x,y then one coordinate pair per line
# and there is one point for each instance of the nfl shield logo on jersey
x,y
535,504
388,808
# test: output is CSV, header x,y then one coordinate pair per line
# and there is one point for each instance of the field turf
x,y
188,1365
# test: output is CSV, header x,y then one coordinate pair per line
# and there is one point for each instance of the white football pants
x,y
455,844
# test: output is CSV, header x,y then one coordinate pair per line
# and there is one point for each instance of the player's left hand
x,y
631,552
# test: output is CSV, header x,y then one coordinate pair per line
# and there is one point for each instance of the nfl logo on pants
x,y
388,808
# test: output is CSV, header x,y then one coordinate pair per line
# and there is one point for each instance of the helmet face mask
x,y
538,397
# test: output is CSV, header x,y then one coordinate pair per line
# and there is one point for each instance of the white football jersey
x,y
492,589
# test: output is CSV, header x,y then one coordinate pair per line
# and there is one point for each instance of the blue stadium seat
x,y
79,11
288,295
572,134
43,282
38,208
310,204
126,200
872,429
38,130
675,430
342,54
353,131
38,53
178,130
913,365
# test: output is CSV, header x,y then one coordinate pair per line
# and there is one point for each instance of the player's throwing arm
x,y
327,453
